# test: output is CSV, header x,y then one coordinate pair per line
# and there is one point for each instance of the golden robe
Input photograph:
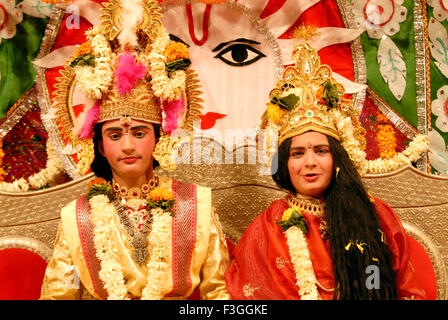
x,y
199,255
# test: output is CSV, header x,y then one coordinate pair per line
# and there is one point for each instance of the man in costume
x,y
329,238
135,235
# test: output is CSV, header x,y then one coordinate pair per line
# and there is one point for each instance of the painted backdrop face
x,y
128,149
235,62
310,163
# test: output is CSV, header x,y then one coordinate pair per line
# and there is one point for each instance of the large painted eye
x,y
238,53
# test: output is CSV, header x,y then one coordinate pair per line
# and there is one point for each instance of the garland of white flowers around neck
x,y
294,226
49,174
103,212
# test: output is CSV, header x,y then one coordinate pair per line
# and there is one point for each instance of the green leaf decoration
x,y
179,64
287,102
97,189
296,220
331,94
87,59
166,205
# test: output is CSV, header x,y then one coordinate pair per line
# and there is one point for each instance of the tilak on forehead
x,y
271,6
205,24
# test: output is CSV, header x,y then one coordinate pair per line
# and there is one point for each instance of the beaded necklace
x,y
132,210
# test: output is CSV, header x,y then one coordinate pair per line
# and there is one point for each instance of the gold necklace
x,y
311,205
125,194
130,201
307,203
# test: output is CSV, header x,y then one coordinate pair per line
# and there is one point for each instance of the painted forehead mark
x,y
205,20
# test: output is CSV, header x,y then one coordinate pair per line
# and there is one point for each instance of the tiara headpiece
x,y
308,98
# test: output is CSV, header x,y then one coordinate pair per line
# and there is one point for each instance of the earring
x,y
337,172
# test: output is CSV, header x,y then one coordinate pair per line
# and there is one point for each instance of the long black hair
x,y
100,166
351,218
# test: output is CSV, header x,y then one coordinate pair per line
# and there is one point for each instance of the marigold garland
x,y
175,51
84,48
275,113
417,146
387,142
167,87
158,194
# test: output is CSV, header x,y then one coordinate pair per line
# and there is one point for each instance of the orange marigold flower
x,y
175,51
319,94
158,194
382,119
97,181
275,113
387,142
84,48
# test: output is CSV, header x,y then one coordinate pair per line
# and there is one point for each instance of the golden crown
x,y
129,68
139,104
308,98
304,97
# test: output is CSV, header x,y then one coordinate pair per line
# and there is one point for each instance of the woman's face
x,y
128,149
310,163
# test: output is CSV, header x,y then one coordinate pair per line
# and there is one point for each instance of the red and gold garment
x,y
261,267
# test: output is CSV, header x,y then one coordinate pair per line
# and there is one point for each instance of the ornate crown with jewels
x,y
308,98
129,68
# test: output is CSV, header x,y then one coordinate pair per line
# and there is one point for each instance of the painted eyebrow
x,y
244,40
177,39
314,147
121,129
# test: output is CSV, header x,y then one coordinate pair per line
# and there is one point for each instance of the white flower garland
x,y
166,88
301,260
93,81
111,273
102,214
158,264
50,173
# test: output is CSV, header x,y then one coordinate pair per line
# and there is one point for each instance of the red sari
x,y
261,267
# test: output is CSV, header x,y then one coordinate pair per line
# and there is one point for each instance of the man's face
x,y
128,149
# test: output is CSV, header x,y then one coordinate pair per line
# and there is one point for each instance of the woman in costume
x,y
135,235
328,238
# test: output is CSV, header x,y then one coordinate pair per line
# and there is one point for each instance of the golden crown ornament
x,y
308,98
129,68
